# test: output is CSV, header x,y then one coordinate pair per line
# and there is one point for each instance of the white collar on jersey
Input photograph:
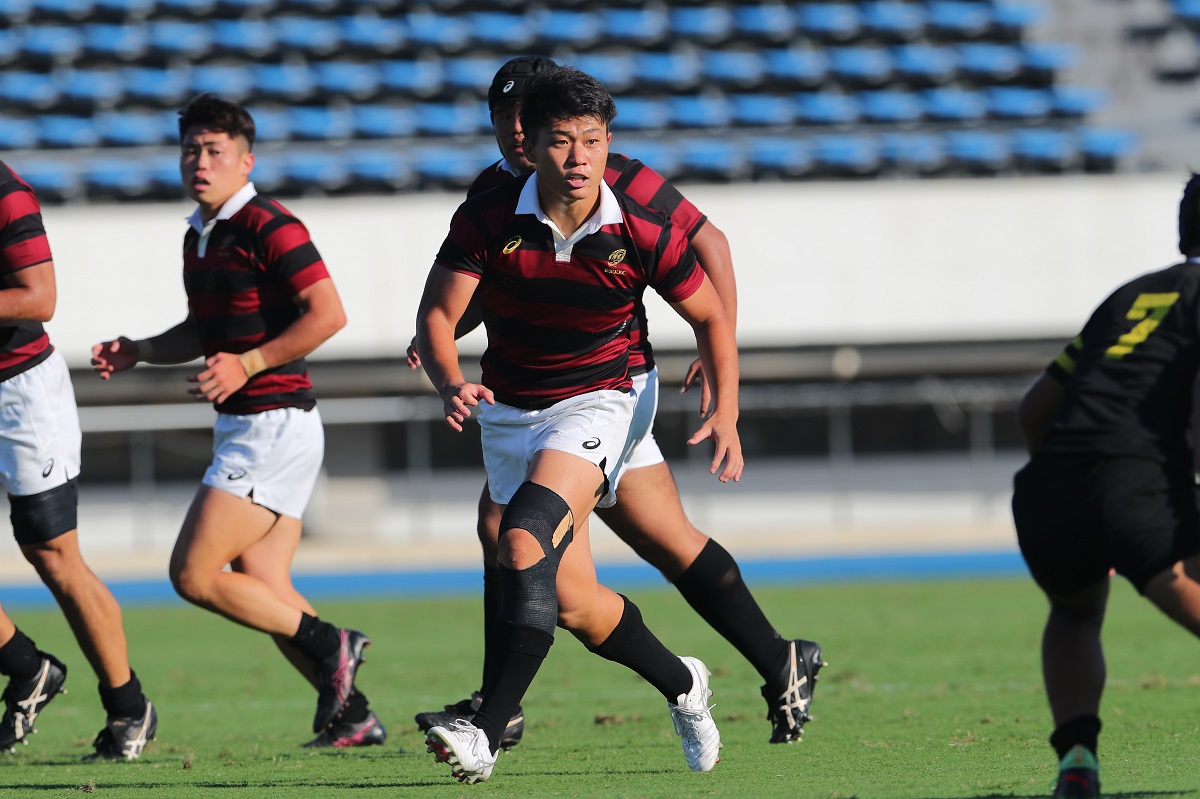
x,y
234,204
609,213
505,166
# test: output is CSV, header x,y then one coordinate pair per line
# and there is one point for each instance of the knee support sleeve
x,y
530,597
38,518
544,514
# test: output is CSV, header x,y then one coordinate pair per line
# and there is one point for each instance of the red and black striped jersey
x,y
644,186
23,244
558,329
1129,374
241,294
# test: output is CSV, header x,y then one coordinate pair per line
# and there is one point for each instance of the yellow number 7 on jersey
x,y
1150,309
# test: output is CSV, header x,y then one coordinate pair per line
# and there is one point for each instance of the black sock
x,y
491,611
633,645
1079,730
713,586
356,709
519,654
316,639
124,701
19,658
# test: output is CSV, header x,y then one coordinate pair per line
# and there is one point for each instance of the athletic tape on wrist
x,y
253,362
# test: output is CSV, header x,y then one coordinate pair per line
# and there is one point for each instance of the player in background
x,y
1111,484
558,260
39,465
648,515
259,300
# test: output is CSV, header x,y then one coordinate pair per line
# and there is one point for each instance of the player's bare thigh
x,y
649,517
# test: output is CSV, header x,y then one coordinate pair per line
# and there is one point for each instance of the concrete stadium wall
x,y
848,262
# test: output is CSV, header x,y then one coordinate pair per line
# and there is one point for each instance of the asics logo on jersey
x,y
591,443
512,244
238,475
616,257
508,87
49,467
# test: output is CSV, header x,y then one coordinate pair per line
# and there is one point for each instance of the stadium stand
x,y
372,95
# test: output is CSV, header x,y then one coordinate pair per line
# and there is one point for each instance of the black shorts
x,y
1078,517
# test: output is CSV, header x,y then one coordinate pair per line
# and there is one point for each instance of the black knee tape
x,y
530,597
544,514
38,518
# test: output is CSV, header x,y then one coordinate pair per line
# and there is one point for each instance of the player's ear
x,y
247,164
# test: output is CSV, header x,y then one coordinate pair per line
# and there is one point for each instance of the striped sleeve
x,y
23,241
677,275
652,190
290,256
465,247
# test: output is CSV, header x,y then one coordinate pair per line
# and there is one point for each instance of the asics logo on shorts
x,y
591,443
49,467
238,475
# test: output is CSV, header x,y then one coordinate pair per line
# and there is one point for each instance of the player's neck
x,y
569,213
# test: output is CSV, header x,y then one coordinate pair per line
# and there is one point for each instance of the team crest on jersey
x,y
512,245
616,257
223,247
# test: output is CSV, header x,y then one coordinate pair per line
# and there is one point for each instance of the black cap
x,y
512,78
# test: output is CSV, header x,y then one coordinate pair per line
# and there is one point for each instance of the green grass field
x,y
933,692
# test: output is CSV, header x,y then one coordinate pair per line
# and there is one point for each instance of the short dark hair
x,y
559,93
1189,217
214,112
510,81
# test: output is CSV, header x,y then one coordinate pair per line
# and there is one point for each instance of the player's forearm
x,y
718,353
712,250
31,298
311,329
439,353
179,344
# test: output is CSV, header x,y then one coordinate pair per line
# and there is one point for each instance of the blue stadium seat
x,y
1076,102
320,123
115,42
762,110
53,180
796,69
845,155
641,113
51,44
171,39
268,172
702,23
307,35
828,22
470,73
272,125
711,159
826,108
447,34
245,38
1044,150
245,9
958,20
30,91
123,179
60,131
698,111
285,83
979,151
156,86
16,11
564,27
500,30
864,67
362,33
661,157
379,169
670,70
137,129
951,104
451,119
447,168
779,156
165,180
615,70
85,89
10,44
346,79
196,9
383,121
890,106
635,26
227,80
913,152
124,10
893,21
1018,103
763,22
18,134
411,78
1010,20
322,170
324,8
1104,148
1187,12
62,10
733,69
1042,62
925,65
987,63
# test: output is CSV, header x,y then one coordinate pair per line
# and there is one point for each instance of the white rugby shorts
x,y
641,449
39,429
274,457
594,426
